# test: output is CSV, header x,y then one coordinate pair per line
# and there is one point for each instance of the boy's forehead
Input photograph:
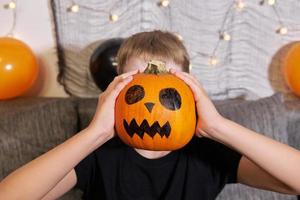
x,y
140,63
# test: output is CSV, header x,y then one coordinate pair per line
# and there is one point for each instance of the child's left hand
x,y
259,166
208,116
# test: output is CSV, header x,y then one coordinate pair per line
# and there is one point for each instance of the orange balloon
x,y
291,68
18,68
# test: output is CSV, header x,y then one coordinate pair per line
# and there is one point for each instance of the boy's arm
x,y
281,161
35,179
65,185
264,156
38,177
251,174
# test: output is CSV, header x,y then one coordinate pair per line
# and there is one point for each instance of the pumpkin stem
x,y
156,67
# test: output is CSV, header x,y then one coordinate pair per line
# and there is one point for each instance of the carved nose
x,y
149,106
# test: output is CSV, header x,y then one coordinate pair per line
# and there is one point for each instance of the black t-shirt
x,y
197,171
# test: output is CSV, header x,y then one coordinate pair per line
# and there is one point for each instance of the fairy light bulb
x,y
164,3
113,17
114,61
74,8
179,36
213,61
271,2
282,30
239,5
190,67
10,5
225,36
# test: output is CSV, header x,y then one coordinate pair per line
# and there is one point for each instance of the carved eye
x,y
134,94
170,98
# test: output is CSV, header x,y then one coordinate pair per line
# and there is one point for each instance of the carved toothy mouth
x,y
140,130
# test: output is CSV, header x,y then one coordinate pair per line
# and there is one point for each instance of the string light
x,y
115,63
190,66
74,8
225,36
271,2
113,17
239,5
282,30
179,36
213,61
10,5
164,3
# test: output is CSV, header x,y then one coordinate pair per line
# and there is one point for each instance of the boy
x,y
105,168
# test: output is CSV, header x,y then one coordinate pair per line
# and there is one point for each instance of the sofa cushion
x,y
267,115
86,110
31,126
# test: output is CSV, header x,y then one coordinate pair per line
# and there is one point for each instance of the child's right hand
x,y
104,118
49,169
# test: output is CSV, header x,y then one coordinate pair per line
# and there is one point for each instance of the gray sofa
x,y
31,126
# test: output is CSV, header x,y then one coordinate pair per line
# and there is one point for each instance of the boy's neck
x,y
152,154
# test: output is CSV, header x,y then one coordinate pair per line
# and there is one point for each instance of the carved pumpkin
x,y
155,111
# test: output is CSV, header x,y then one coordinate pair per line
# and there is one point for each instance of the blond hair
x,y
155,45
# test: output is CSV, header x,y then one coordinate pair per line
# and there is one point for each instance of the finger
x,y
120,78
112,84
122,84
115,92
198,135
125,75
191,84
195,80
172,70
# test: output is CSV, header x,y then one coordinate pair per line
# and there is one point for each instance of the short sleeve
x,y
85,172
223,160
89,178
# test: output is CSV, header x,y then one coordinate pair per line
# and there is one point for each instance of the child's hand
x,y
208,116
103,120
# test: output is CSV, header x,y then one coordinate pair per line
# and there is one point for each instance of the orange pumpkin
x,y
155,111
291,68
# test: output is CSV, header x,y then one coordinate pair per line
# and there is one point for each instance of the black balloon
x,y
103,64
